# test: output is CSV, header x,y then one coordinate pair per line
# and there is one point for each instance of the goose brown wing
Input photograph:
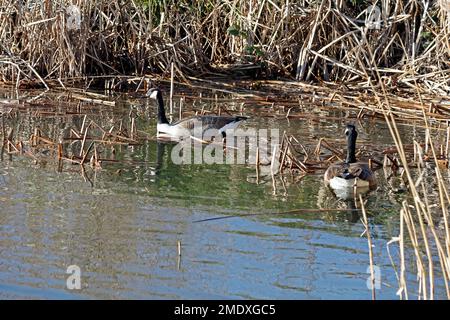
x,y
213,122
335,170
216,122
187,123
361,170
348,171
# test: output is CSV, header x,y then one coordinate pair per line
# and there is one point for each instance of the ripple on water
x,y
123,231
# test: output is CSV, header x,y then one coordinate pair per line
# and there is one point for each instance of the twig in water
x,y
369,242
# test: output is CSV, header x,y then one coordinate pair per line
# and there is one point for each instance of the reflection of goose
x,y
185,127
344,176
353,215
160,148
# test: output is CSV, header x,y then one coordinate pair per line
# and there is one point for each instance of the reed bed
x,y
311,157
424,217
322,41
70,134
423,241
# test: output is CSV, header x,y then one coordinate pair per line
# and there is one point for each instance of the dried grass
x,y
311,40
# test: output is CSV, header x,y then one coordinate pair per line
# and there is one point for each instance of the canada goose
x,y
185,127
346,175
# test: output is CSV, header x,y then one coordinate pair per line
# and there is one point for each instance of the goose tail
x,y
240,118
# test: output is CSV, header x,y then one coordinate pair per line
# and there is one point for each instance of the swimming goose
x,y
185,127
345,175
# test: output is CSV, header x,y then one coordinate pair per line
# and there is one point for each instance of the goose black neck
x,y
351,147
161,112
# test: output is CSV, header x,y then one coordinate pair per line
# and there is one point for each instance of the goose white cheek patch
x,y
153,94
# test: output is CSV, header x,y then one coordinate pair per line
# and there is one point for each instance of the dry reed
x,y
313,40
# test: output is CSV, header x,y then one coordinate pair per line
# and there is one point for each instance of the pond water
x,y
122,224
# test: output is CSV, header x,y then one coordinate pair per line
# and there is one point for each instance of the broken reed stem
x,y
272,172
369,242
171,89
447,141
403,289
180,115
60,151
257,165
133,128
84,139
413,235
87,152
83,124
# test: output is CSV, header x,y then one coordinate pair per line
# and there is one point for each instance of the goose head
x,y
153,93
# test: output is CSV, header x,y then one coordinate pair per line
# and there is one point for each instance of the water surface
x,y
122,225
